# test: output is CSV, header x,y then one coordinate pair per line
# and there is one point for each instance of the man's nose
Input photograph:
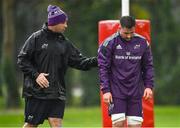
x,y
129,36
65,26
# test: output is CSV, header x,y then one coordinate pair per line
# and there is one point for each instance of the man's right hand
x,y
42,81
107,98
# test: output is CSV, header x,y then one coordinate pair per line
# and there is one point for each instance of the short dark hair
x,y
127,21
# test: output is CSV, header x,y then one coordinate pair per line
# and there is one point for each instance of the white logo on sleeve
x,y
118,47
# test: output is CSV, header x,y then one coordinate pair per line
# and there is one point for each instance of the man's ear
x,y
119,29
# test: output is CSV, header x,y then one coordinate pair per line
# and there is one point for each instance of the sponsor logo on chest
x,y
128,55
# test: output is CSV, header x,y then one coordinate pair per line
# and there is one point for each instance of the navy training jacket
x,y
48,52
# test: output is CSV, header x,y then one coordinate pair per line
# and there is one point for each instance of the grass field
x,y
74,117
168,116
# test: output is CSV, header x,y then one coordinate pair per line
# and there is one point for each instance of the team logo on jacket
x,y
44,46
137,46
118,47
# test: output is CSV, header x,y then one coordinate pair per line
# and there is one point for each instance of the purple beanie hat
x,y
56,15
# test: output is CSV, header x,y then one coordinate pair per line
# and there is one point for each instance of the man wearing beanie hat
x,y
56,15
44,60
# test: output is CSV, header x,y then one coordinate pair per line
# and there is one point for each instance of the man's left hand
x,y
148,93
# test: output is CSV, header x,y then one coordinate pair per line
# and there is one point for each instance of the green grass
x,y
165,116
74,117
11,118
82,117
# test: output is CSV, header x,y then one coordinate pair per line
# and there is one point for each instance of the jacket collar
x,y
51,33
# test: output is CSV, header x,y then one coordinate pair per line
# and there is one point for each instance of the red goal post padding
x,y
107,28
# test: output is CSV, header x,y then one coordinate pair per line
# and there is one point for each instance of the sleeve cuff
x,y
94,62
149,86
35,75
105,90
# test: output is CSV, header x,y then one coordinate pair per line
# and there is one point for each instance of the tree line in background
x,y
20,18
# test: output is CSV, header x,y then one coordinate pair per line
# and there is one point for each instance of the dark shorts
x,y
131,107
37,110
